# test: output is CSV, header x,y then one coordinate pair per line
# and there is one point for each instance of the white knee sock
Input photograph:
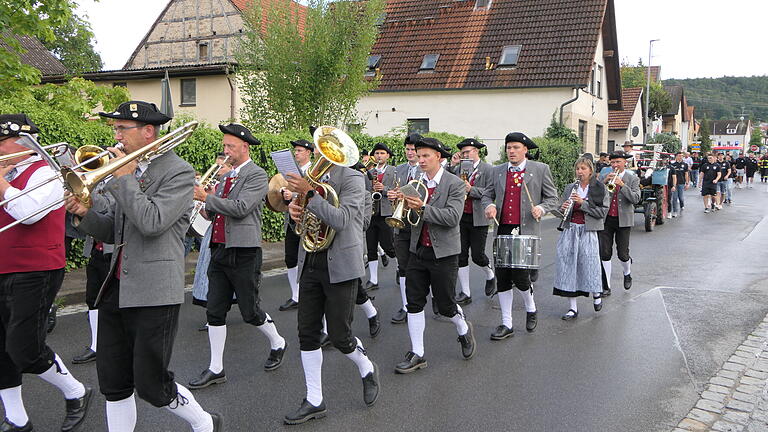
x,y
293,274
93,320
217,337
459,321
373,266
14,406
270,331
416,326
186,407
607,270
312,362
574,306
464,279
626,266
121,415
530,305
597,300
489,272
379,250
368,308
59,376
402,291
364,365
505,303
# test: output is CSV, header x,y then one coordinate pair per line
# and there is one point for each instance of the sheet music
x,y
285,162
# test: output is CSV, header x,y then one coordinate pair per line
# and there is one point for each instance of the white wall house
x,y
731,135
460,67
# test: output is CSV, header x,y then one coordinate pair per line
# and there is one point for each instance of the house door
x,y
611,145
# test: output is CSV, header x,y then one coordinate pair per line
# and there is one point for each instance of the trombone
x,y
58,149
81,184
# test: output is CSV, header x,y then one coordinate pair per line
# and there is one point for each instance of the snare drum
x,y
517,251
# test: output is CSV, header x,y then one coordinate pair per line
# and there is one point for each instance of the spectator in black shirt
x,y
710,174
723,193
751,169
680,177
601,163
740,166
695,168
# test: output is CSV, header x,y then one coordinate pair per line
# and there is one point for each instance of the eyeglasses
x,y
121,129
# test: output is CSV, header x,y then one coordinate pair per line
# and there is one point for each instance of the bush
x,y
560,155
671,142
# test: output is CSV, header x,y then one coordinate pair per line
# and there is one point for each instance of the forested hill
x,y
723,98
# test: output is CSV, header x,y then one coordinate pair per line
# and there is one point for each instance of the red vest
x,y
218,235
424,239
578,215
468,202
35,247
613,210
510,212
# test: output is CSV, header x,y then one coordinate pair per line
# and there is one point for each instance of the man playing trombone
x,y
140,300
31,273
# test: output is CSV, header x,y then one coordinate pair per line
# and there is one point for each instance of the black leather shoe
x,y
534,274
87,356
570,315
598,306
51,323
325,341
207,378
531,319
606,292
7,426
463,299
76,411
627,282
306,412
411,363
371,386
467,342
371,286
502,332
218,422
374,325
275,359
289,305
384,260
490,287
400,317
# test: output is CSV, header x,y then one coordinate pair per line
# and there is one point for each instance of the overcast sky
x,y
698,38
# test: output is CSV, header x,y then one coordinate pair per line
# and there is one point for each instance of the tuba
x,y
336,148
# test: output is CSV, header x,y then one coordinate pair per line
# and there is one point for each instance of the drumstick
x,y
527,192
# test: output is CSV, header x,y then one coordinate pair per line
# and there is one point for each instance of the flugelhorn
x,y
421,187
611,185
206,180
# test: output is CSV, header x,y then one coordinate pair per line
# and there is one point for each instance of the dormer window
x,y
429,62
202,51
509,55
731,131
482,4
374,61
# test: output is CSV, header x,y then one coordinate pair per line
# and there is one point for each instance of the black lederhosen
x,y
506,278
425,271
96,272
402,244
606,237
379,232
237,271
474,238
292,244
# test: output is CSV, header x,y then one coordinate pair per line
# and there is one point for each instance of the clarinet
x,y
567,213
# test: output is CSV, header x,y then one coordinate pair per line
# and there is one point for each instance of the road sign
x,y
754,148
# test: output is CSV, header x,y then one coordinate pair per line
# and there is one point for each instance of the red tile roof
x,y
558,38
620,119
266,4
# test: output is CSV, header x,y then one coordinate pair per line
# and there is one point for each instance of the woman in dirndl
x,y
578,256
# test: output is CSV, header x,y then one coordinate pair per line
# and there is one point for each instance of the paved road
x,y
638,365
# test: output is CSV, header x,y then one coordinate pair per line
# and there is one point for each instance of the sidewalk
x,y
736,398
73,288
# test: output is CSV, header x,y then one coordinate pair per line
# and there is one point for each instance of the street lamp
x,y
648,92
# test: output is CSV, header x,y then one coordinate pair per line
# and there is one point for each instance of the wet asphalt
x,y
638,365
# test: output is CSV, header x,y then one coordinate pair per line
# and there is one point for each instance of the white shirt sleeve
x,y
37,199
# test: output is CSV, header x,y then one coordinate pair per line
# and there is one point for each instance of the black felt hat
x,y
140,111
470,142
619,154
381,146
521,138
11,125
434,144
412,138
241,132
303,143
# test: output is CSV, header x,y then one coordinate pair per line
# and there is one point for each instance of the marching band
x,y
136,209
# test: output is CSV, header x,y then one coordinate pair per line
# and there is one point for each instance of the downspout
x,y
231,95
569,101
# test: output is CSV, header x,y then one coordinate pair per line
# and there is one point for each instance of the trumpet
x,y
206,180
611,185
80,184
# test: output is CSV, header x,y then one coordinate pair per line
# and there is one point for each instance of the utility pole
x,y
648,93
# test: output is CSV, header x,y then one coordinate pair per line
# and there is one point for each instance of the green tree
x,y
757,137
704,135
636,76
34,18
73,45
671,142
297,71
